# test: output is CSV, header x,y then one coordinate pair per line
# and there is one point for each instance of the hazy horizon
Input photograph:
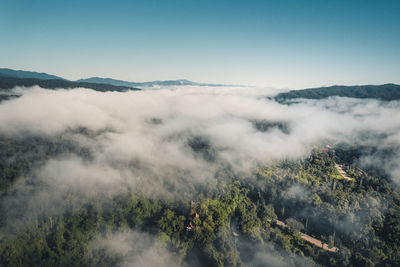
x,y
202,82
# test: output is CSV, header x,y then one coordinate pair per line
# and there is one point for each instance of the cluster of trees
x,y
234,223
18,156
356,216
383,92
264,125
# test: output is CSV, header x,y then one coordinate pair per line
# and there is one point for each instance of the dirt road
x,y
310,239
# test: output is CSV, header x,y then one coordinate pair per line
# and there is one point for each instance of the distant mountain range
x,y
149,84
4,72
10,78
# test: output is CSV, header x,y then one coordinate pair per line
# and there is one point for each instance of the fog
x,y
135,249
170,143
148,138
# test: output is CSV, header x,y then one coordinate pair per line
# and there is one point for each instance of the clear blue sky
x,y
282,43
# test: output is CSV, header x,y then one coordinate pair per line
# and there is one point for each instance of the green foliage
x,y
230,224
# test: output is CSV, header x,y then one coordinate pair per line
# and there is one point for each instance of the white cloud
x,y
141,139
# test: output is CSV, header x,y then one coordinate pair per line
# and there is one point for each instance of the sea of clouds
x,y
171,142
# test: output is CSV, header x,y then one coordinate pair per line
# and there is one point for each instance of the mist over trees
x,y
197,176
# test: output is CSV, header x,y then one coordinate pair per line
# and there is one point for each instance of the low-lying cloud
x,y
135,249
174,142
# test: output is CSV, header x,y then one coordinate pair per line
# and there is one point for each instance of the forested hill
x,y
385,92
10,82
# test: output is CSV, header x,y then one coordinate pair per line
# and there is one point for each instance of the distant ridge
x,y
152,83
385,92
4,72
7,83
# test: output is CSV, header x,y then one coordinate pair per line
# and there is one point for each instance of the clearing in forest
x,y
342,172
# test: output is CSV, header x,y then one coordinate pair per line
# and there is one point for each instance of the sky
x,y
279,44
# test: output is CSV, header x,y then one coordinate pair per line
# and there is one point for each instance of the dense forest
x,y
385,92
229,225
196,178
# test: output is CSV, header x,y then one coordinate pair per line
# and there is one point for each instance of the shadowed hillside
x,y
10,82
385,92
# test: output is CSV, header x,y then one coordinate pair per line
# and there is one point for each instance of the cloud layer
x,y
174,142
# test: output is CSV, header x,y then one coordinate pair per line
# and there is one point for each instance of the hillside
x,y
9,83
226,226
385,92
5,72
